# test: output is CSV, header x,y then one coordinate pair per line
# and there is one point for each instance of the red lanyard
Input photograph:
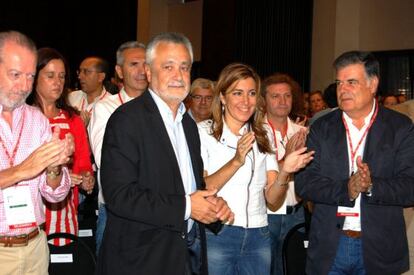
x,y
274,137
12,156
120,98
353,152
83,103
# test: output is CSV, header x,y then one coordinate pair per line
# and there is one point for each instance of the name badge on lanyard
x,y
18,207
355,211
344,211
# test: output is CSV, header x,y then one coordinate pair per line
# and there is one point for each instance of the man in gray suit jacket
x,y
360,179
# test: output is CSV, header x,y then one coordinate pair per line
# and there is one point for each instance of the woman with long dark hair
x,y
50,95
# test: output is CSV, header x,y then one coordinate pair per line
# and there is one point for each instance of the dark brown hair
x,y
45,55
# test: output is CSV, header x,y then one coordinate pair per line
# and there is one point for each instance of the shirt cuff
x,y
187,207
60,192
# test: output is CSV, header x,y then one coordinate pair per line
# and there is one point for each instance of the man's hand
x,y
296,142
38,160
365,175
68,147
223,211
353,187
201,209
360,181
301,120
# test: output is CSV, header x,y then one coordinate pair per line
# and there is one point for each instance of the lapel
x,y
374,137
192,143
338,144
162,138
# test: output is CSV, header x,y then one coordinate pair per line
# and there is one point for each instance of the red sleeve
x,y
82,155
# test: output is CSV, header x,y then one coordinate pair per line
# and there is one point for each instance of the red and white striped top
x,y
63,216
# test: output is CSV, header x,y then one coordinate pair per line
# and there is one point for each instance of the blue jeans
x,y
194,249
237,250
100,226
279,226
348,259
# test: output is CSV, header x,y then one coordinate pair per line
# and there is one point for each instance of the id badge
x,y
18,207
347,212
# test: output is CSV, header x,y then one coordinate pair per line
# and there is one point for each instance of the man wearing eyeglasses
x,y
200,99
91,74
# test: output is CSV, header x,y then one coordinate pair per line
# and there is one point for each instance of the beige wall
x,y
388,26
155,16
338,26
323,41
343,25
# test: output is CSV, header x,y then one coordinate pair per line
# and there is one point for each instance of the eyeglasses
x,y
207,98
86,71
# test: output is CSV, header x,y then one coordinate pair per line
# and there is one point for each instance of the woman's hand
x,y
244,145
75,179
88,181
297,160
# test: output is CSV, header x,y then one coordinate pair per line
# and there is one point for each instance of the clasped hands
x,y
207,208
85,180
51,155
359,181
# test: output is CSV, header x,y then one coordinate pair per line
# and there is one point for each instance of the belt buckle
x,y
22,236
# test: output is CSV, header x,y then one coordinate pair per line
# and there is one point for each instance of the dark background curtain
x,y
272,36
396,72
75,28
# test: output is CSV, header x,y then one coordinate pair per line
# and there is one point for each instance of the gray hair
x,y
125,46
202,83
18,38
367,59
168,37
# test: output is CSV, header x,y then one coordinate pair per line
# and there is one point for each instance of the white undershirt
x,y
354,223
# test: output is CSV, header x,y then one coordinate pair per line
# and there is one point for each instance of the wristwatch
x,y
52,174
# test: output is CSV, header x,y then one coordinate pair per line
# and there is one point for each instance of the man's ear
x,y
147,72
374,84
101,77
118,70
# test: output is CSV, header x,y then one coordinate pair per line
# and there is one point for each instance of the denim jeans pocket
x,y
264,231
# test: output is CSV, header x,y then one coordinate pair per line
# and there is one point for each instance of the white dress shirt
x,y
79,100
178,140
96,128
